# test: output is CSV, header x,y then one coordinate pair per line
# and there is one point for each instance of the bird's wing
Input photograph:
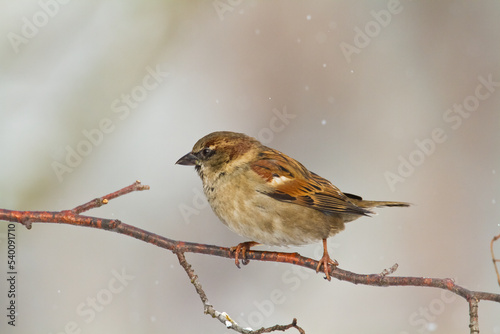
x,y
287,180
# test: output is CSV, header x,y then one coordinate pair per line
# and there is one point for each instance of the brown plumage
x,y
270,198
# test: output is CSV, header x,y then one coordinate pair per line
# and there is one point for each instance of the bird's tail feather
x,y
373,204
378,204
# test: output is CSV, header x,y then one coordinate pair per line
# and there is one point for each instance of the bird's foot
x,y
242,248
325,261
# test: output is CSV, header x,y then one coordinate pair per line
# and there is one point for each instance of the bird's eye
x,y
206,153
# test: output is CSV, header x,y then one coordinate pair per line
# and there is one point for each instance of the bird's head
x,y
220,153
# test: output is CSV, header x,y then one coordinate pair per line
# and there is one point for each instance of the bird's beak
x,y
187,160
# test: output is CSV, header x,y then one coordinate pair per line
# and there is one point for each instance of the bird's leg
x,y
325,260
242,248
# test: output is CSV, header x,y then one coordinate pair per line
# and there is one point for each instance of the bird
x,y
270,198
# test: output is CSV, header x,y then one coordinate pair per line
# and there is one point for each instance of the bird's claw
x,y
242,248
325,261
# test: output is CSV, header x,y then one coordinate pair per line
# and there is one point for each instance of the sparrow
x,y
270,198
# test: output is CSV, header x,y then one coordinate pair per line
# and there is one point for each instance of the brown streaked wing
x,y
295,184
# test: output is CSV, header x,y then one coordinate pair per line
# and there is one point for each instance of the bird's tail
x,y
373,204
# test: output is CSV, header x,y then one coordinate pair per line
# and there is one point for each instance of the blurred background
x,y
389,100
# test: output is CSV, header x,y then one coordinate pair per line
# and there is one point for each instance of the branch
x,y
223,316
495,260
473,314
73,217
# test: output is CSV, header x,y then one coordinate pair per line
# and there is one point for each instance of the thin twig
x,y
473,314
223,317
280,328
495,260
97,202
